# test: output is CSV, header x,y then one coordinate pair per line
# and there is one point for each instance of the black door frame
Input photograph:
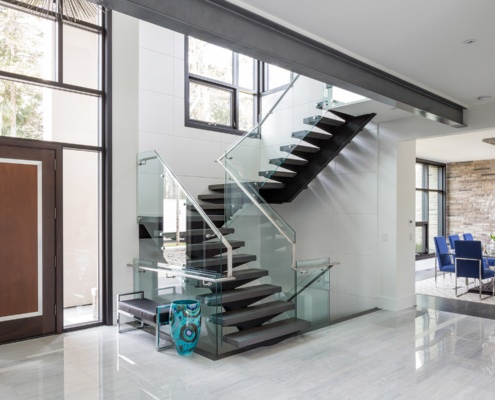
x,y
57,148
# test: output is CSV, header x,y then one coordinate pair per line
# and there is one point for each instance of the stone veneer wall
x,y
471,198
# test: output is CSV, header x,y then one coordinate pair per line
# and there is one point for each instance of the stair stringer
x,y
319,160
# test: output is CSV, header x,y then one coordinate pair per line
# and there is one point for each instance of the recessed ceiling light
x,y
484,98
469,41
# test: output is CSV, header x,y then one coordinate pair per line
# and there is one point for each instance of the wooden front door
x,y
27,242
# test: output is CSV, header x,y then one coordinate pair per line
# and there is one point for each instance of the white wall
x,y
190,153
396,220
125,144
336,217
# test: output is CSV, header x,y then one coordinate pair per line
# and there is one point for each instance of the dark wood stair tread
x,y
323,122
281,174
198,218
311,135
232,296
220,187
232,318
204,232
266,332
249,274
298,148
215,244
219,197
205,207
205,263
288,161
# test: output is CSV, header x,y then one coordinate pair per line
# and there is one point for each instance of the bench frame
x,y
159,323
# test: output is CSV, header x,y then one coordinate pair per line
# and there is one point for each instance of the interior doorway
x,y
28,242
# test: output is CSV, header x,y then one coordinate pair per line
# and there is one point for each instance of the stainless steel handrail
x,y
329,265
177,270
201,212
224,155
243,188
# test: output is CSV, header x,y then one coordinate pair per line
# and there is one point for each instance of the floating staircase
x,y
252,308
306,162
248,306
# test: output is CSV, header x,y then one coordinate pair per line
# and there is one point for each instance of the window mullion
x,y
234,112
59,61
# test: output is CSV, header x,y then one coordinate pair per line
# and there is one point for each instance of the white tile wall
x,y
179,51
360,155
156,38
156,72
191,153
356,234
190,158
344,305
355,193
357,276
155,112
163,144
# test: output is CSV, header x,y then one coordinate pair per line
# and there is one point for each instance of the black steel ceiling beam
x,y
225,24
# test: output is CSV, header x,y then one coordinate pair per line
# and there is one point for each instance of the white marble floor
x,y
412,354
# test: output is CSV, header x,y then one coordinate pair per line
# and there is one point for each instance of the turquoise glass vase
x,y
185,325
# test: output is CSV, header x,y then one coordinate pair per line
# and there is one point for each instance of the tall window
x,y
430,205
224,88
51,80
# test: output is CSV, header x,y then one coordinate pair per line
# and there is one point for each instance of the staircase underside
x,y
311,160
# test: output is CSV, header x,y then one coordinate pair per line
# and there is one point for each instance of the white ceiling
x,y
457,148
420,41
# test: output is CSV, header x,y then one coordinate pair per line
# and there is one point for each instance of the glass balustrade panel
x,y
288,117
311,295
162,286
268,245
173,229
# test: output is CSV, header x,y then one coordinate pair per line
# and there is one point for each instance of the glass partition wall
x,y
51,89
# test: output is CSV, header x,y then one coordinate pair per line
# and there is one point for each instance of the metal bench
x,y
146,312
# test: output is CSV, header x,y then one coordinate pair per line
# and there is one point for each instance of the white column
x,y
396,242
125,146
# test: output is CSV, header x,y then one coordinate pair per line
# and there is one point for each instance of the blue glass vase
x,y
185,325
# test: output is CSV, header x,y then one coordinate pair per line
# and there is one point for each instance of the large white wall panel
x,y
125,146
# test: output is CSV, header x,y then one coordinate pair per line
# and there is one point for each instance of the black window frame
x,y
103,147
260,90
442,195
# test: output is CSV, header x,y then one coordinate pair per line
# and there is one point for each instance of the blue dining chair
x,y
452,240
468,236
443,259
469,263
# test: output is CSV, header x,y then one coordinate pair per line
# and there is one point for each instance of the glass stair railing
x,y
337,97
234,253
294,141
260,153
258,163
173,229
183,252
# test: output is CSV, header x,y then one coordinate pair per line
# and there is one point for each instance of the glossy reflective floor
x,y
412,354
